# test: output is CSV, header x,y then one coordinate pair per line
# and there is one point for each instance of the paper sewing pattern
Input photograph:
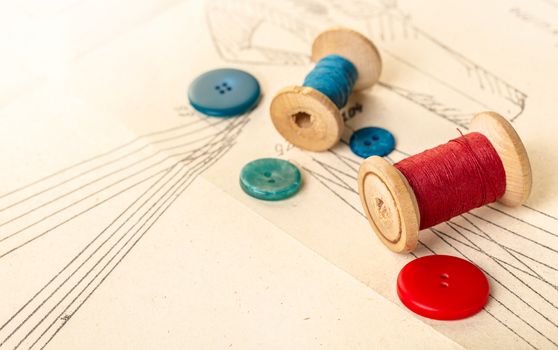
x,y
519,261
142,177
454,91
187,150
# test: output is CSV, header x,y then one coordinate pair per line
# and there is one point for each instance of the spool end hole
x,y
302,120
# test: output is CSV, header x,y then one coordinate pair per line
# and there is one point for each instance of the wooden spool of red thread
x,y
389,200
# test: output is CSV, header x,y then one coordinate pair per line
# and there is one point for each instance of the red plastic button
x,y
442,287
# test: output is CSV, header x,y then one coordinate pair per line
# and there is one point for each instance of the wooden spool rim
x,y
353,46
389,203
325,125
511,150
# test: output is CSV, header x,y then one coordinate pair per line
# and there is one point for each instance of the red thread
x,y
453,178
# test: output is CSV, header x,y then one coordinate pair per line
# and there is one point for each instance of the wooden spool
x,y
309,119
390,203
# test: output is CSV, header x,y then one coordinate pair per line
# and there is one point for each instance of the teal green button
x,y
270,179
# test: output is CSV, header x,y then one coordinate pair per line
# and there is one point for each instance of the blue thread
x,y
333,76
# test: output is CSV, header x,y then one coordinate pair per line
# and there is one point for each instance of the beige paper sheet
x,y
106,151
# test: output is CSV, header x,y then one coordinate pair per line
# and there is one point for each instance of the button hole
x,y
224,84
271,181
444,284
267,174
229,88
221,91
444,276
217,87
367,143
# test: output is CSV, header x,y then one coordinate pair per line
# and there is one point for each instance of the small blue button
x,y
270,179
224,92
367,142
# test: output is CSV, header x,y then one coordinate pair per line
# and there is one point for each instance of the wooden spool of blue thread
x,y
309,116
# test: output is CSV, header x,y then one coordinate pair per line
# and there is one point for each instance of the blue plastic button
x,y
367,142
224,92
270,179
